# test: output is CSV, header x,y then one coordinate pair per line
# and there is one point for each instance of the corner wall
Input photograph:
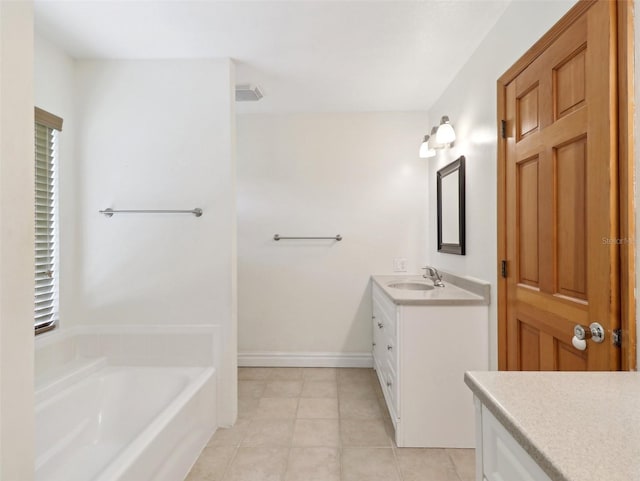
x,y
16,241
470,103
156,134
308,302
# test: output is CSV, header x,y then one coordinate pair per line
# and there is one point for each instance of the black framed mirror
x,y
451,199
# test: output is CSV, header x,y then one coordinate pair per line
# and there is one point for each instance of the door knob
x,y
580,335
597,332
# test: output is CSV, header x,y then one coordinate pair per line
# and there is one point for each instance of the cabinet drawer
x,y
389,349
392,386
382,319
389,383
503,459
384,310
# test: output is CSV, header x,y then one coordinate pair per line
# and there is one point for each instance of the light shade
x,y
425,150
445,134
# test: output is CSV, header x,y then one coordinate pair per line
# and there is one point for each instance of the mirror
x,y
451,220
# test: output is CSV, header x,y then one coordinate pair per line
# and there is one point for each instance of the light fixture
x,y
425,150
445,134
433,144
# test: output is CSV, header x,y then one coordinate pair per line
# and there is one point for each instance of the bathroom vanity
x,y
560,426
424,339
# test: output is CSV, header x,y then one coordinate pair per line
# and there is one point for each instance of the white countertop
x,y
578,426
451,294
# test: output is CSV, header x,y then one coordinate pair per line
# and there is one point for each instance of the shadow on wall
x,y
364,311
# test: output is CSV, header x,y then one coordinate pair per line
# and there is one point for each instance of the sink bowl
x,y
411,286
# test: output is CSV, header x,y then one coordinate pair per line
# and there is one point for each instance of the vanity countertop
x,y
457,291
578,426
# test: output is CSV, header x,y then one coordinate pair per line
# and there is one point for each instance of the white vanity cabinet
x,y
420,355
499,457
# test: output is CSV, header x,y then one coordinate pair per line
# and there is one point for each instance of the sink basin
x,y
411,286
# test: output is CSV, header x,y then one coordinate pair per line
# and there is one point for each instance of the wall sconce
x,y
426,150
441,137
433,141
445,134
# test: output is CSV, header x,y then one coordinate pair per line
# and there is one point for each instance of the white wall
x,y
16,241
470,103
357,175
156,135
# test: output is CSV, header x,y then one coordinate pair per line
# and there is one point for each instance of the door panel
x,y
529,346
561,199
528,218
569,84
528,112
570,359
571,273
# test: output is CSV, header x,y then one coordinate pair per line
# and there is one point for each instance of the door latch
x,y
617,337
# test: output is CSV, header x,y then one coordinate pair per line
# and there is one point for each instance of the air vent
x,y
248,93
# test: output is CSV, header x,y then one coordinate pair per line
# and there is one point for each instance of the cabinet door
x,y
503,458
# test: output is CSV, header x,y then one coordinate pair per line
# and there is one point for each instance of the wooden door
x,y
561,199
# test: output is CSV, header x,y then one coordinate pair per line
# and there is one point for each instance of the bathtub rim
x,y
197,377
135,448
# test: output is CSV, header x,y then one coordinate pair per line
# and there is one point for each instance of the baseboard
x,y
305,359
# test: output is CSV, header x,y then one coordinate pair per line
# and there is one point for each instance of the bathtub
x,y
98,422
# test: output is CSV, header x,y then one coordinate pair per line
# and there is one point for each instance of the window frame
x,y
53,124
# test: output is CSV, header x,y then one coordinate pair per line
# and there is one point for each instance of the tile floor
x,y
319,424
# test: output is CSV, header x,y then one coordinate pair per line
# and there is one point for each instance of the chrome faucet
x,y
433,274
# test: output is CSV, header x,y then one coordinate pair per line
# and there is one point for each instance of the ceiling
x,y
307,56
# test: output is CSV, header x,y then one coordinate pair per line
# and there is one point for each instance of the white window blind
x,y
46,268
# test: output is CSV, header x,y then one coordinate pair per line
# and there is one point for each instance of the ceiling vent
x,y
248,93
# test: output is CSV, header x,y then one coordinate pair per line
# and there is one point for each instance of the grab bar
x,y
277,237
109,212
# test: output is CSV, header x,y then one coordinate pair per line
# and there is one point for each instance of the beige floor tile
x,y
247,408
285,374
386,415
250,389
391,431
230,436
421,464
364,433
313,464
377,388
360,409
464,461
316,433
258,464
370,464
212,463
348,375
328,389
319,374
357,390
318,408
253,373
283,389
269,433
276,408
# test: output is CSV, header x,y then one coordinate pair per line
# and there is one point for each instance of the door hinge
x,y
503,129
617,337
503,268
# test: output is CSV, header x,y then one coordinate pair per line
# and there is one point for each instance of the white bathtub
x,y
107,423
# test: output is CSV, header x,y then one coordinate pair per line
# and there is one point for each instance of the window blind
x,y
45,309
